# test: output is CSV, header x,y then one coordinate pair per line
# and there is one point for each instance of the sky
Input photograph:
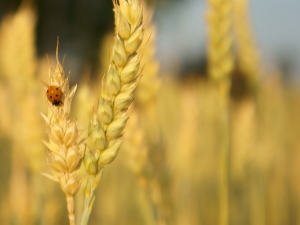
x,y
182,31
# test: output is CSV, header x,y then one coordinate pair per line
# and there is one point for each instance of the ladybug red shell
x,y
54,95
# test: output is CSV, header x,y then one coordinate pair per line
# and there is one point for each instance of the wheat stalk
x,y
118,85
220,60
63,144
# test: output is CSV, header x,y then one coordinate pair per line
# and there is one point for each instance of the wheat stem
x,y
224,167
70,206
92,184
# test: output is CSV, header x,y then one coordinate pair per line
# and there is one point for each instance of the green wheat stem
x,y
91,186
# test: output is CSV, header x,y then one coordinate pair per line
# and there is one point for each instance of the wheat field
x,y
220,147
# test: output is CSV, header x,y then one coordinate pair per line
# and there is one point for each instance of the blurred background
x,y
168,169
82,25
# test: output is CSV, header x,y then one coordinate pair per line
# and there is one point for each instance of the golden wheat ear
x,y
106,126
63,144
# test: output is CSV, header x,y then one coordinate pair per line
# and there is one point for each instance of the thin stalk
x,y
92,184
70,206
224,163
221,64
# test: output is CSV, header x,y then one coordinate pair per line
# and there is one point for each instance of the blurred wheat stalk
x,y
220,62
145,154
18,67
247,116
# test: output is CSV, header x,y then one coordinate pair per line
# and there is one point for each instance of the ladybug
x,y
54,95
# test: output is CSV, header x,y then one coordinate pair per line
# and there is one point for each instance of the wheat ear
x,y
63,144
19,99
144,150
109,119
248,54
221,61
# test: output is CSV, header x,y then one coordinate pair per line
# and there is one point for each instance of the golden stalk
x,y
70,206
220,59
109,119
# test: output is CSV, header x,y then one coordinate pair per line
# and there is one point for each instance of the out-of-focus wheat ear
x,y
142,138
146,94
107,124
221,62
18,115
220,44
248,55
